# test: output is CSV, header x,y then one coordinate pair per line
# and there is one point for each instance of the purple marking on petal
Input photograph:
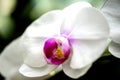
x,y
50,45
56,50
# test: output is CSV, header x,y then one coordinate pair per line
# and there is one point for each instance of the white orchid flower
x,y
72,38
111,10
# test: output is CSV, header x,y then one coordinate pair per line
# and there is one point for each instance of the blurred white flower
x,y
73,38
111,10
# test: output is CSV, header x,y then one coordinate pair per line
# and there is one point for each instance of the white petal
x,y
111,10
114,48
70,14
36,72
47,25
74,73
86,52
90,24
15,75
115,34
35,59
12,57
35,56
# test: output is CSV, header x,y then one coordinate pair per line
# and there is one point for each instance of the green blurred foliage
x,y
6,27
6,21
42,6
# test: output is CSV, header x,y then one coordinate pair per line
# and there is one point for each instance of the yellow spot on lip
x,y
59,53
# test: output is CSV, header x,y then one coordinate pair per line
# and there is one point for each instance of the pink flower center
x,y
56,50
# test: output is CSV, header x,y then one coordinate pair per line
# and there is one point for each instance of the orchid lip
x,y
56,50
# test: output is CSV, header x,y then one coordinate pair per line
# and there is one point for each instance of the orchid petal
x,y
114,48
86,52
88,34
111,11
70,14
47,25
90,24
35,56
74,73
15,75
115,35
12,57
36,72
